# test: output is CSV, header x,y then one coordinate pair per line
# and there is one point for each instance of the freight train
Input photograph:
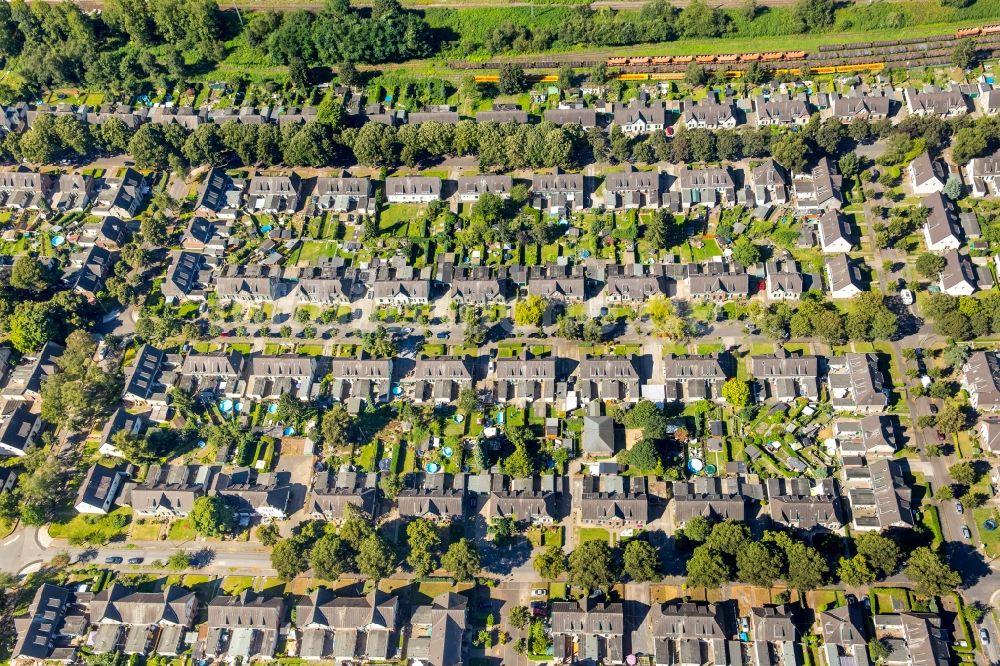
x,y
909,52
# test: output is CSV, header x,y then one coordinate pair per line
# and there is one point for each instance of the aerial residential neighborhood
x,y
495,334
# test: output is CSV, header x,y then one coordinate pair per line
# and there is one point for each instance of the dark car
x,y
443,335
135,560
113,560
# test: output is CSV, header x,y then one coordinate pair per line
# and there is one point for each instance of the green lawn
x,y
592,534
626,350
510,350
433,350
147,530
369,456
396,218
991,539
929,518
82,529
409,460
310,350
181,530
233,585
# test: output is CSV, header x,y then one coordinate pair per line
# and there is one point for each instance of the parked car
x,y
113,560
443,335
135,560
959,507
984,636
540,592
965,532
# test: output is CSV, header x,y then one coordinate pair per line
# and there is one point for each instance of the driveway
x,y
299,469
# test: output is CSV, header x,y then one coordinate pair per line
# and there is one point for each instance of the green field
x,y
773,28
592,534
82,529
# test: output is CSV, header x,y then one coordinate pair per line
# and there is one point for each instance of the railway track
x,y
315,5
916,52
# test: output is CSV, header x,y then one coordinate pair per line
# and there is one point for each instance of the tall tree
x,y
375,558
462,560
931,575
592,566
212,516
640,561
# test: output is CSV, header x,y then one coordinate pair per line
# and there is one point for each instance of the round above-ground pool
x,y
272,408
432,468
57,241
459,418
711,469
447,452
384,464
989,524
226,406
289,431
397,390
201,443
695,465
238,406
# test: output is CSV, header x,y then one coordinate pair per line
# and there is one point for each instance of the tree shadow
x,y
502,558
968,561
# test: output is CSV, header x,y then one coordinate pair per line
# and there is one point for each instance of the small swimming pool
x,y
226,406
432,468
447,452
57,241
272,408
289,431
